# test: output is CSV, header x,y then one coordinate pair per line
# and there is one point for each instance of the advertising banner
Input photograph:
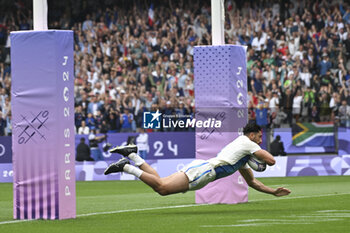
x,y
170,145
5,150
314,165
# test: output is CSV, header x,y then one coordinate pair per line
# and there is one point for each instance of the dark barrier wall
x,y
176,145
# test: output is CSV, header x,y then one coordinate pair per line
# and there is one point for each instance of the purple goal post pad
x,y
220,94
42,65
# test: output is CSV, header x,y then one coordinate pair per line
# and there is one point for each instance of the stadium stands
x,y
127,62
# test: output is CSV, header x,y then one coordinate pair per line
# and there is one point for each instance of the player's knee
x,y
162,190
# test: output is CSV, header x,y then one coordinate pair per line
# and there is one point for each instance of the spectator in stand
x,y
259,42
98,121
274,102
83,129
126,120
167,112
84,103
261,113
113,121
344,114
78,116
325,111
287,104
278,117
6,107
324,65
90,121
297,104
94,105
315,114
2,125
8,129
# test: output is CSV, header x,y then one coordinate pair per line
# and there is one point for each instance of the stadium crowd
x,y
137,56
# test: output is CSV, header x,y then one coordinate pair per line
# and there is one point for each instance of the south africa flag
x,y
313,134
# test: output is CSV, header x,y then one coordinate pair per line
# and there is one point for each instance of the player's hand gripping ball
x,y
256,164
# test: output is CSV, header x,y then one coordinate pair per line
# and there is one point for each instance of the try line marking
x,y
175,207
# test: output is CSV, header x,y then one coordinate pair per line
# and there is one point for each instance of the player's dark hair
x,y
251,128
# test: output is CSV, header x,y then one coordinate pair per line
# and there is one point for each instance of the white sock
x,y
132,170
136,159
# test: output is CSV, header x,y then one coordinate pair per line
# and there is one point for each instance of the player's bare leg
x,y
147,168
175,183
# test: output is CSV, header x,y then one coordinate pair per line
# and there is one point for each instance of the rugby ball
x,y
256,164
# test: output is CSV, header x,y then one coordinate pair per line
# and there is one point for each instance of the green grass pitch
x,y
316,204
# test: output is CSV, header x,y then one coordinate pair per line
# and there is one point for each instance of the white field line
x,y
178,206
250,224
330,211
16,221
138,210
115,212
301,219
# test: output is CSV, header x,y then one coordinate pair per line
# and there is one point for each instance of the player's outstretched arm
x,y
259,186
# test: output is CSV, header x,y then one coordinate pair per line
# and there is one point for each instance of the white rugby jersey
x,y
233,156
